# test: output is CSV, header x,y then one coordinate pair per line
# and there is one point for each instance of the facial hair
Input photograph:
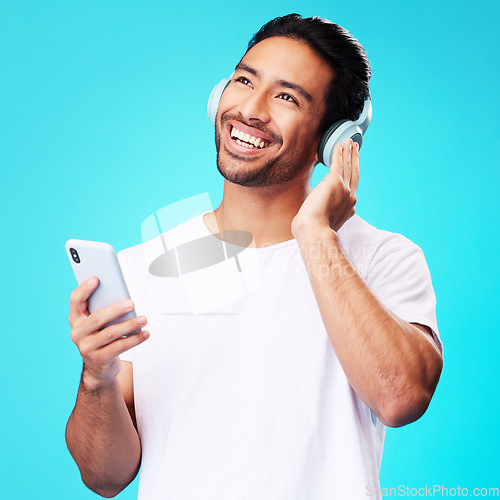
x,y
274,171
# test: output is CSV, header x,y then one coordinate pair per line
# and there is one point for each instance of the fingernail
x,y
356,145
141,320
127,305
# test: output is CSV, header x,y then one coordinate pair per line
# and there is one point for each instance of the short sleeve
x,y
400,278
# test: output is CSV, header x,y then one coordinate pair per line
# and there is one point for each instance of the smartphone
x,y
93,258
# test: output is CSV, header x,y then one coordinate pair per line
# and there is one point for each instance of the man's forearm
x,y
102,439
392,365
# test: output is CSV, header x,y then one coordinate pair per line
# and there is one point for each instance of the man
x,y
285,393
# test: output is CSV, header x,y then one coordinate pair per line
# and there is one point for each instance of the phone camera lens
x,y
75,255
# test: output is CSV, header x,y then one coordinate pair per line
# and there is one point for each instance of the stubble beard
x,y
275,171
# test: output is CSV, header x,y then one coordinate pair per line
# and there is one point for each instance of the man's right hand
x,y
98,346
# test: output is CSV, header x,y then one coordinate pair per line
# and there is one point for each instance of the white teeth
x,y
244,144
247,140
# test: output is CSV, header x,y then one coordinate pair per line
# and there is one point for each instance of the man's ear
x,y
316,151
316,154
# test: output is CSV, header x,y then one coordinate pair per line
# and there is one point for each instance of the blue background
x,y
103,121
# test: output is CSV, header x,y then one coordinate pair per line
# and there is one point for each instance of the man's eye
x,y
243,80
287,97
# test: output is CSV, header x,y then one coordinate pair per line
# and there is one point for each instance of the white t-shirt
x,y
242,397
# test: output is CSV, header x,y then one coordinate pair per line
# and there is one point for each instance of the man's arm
x,y
394,366
100,434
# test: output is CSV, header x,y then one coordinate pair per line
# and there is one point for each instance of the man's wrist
x,y
92,384
311,232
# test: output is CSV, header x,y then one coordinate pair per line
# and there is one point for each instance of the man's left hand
x,y
331,202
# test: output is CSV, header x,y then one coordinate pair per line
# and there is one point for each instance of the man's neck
x,y
266,213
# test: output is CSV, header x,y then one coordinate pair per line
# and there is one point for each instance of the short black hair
x,y
344,54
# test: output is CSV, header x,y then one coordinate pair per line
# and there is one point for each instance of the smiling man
x,y
286,392
270,114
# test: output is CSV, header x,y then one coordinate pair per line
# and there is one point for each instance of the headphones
x,y
338,132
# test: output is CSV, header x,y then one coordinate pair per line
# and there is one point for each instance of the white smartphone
x,y
93,258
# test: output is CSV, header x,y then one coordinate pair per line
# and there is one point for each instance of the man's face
x,y
266,130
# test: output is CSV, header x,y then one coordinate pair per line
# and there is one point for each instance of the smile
x,y
247,140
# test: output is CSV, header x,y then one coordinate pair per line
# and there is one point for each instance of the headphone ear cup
x,y
343,129
214,99
328,141
338,133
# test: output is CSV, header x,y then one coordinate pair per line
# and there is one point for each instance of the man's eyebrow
x,y
283,83
247,68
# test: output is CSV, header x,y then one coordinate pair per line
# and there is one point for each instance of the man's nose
x,y
256,107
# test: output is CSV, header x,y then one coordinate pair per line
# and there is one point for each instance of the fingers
x,y
111,341
98,319
102,365
345,163
78,299
346,160
337,165
355,167
100,347
119,346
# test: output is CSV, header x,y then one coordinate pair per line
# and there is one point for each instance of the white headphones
x,y
336,133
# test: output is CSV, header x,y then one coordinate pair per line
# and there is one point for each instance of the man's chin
x,y
237,175
246,176
240,172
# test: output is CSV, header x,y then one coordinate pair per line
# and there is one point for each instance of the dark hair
x,y
346,94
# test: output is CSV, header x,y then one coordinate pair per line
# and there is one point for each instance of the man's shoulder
x,y
365,244
358,230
